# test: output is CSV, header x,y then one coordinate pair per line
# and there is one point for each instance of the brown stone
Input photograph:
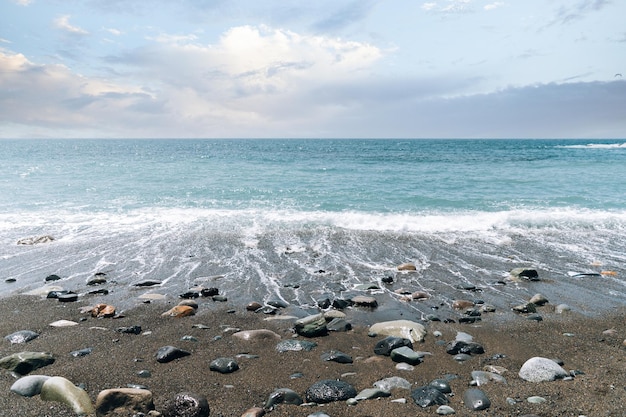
x,y
407,267
420,295
103,310
180,311
462,304
124,401
254,412
253,306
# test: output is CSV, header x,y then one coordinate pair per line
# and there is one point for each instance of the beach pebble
x,y
403,366
67,297
336,356
81,352
475,399
428,396
391,383
257,335
562,308
29,386
186,404
311,326
283,396
525,308
129,329
62,390
459,346
445,410
389,343
535,399
364,301
462,357
169,353
329,390
254,412
524,273
147,283
63,323
24,362
441,385
291,345
338,324
406,329
462,304
538,299
483,377
124,401
21,336
371,393
539,369
224,365
179,311
407,355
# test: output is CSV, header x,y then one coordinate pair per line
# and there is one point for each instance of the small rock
x,y
336,356
224,365
406,329
407,267
103,310
21,336
524,273
61,390
386,345
186,404
428,396
254,306
291,345
147,283
68,297
525,308
283,396
562,308
254,412
129,329
329,390
29,386
364,301
536,399
311,326
180,311
476,399
63,323
462,304
338,325
459,346
257,335
124,401
445,410
25,362
539,369
538,299
393,382
81,352
407,355
35,240
169,353
371,393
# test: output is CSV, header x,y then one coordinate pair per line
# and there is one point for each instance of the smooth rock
x,y
406,329
254,412
536,399
129,329
283,396
393,382
428,396
68,297
539,369
254,306
311,326
224,365
21,336
147,283
445,410
524,273
63,323
408,266
389,343
525,308
257,335
442,385
538,299
180,311
338,324
336,356
186,404
476,399
371,393
562,308
169,353
62,390
484,377
291,345
364,301
462,304
24,362
407,355
459,346
124,401
329,390
29,386
81,352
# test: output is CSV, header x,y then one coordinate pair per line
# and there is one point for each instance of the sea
x,y
297,221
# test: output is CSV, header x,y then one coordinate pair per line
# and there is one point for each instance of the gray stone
x,y
336,356
283,396
29,386
525,273
338,324
61,390
21,336
224,365
365,301
428,396
539,369
393,382
291,345
484,377
81,352
389,343
371,393
445,410
257,335
186,404
25,362
406,329
525,308
459,346
124,401
329,390
476,399
311,326
562,308
441,385
169,353
407,355
538,299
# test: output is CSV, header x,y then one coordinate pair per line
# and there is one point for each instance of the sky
x,y
312,69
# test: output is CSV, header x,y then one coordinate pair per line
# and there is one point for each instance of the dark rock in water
x,y
186,404
428,396
130,329
147,283
311,326
323,302
476,399
291,345
52,277
21,336
69,297
329,390
469,320
97,279
525,273
336,356
525,308
25,362
189,294
220,298
81,352
277,304
341,304
253,306
269,310
441,384
459,346
169,353
387,280
283,396
100,291
338,325
385,346
224,365
124,401
56,294
10,280
209,292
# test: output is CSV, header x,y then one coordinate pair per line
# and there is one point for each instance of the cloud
x,y
344,16
579,10
23,2
63,23
448,6
494,5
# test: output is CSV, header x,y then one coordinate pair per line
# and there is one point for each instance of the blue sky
x,y
280,68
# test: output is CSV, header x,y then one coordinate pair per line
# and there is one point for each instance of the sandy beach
x,y
581,343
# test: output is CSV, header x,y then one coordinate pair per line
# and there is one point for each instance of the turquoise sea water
x,y
260,217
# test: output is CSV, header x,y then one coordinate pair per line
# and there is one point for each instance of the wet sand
x,y
576,339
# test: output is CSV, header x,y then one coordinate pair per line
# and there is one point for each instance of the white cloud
x,y
63,23
23,2
115,32
493,5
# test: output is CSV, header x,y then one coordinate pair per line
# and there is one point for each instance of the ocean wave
x,y
595,146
